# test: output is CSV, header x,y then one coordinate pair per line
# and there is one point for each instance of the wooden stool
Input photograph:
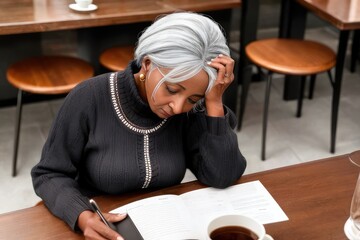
x,y
117,58
289,57
44,75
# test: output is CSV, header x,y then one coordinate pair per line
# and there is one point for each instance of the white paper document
x,y
186,216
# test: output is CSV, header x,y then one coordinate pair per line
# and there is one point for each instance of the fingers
x,y
225,67
109,233
96,229
106,232
115,217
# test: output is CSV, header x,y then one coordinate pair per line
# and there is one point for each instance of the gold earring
x,y
142,77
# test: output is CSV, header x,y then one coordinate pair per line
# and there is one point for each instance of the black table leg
x,y
355,50
292,25
340,59
248,33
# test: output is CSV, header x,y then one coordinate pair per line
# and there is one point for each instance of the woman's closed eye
x,y
174,89
192,101
171,90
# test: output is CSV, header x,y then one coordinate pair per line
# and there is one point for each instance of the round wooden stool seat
x,y
117,58
44,75
291,56
48,74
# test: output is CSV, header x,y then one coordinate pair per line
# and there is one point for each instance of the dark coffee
x,y
233,233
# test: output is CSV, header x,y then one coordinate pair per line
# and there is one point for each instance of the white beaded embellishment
x,y
145,131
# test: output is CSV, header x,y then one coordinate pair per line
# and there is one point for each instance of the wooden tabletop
x,y
315,196
343,14
26,16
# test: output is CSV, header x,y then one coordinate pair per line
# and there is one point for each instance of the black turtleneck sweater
x,y
106,140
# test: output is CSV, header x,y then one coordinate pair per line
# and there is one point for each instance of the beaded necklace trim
x,y
145,131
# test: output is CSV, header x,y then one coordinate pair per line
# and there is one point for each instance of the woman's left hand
x,y
225,76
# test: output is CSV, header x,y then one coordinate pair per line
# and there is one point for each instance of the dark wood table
x,y
23,21
316,197
345,16
43,16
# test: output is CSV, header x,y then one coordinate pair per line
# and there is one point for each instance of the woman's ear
x,y
146,64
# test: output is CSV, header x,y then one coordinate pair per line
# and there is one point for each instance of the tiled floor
x,y
290,140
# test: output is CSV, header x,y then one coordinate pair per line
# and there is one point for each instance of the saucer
x,y
350,231
76,7
268,237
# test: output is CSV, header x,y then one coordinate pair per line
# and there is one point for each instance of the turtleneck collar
x,y
135,109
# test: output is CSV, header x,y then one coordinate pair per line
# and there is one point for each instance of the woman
x,y
144,126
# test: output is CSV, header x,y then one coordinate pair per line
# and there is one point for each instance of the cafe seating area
x,y
309,125
291,140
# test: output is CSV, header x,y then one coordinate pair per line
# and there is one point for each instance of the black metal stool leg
x,y
301,96
331,79
265,117
243,95
312,86
17,130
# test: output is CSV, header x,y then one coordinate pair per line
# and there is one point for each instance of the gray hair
x,y
183,42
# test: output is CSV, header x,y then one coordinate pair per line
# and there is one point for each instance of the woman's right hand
x,y
94,229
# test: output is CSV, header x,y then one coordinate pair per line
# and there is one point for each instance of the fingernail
x,y
209,62
221,55
119,238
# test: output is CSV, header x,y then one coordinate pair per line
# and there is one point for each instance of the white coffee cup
x,y
238,220
83,3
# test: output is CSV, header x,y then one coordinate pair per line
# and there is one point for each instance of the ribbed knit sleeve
x,y
54,177
212,149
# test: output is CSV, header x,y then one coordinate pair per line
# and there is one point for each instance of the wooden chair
x,y
117,58
290,57
44,75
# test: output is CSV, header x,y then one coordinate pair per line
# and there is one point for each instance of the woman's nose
x,y
177,106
